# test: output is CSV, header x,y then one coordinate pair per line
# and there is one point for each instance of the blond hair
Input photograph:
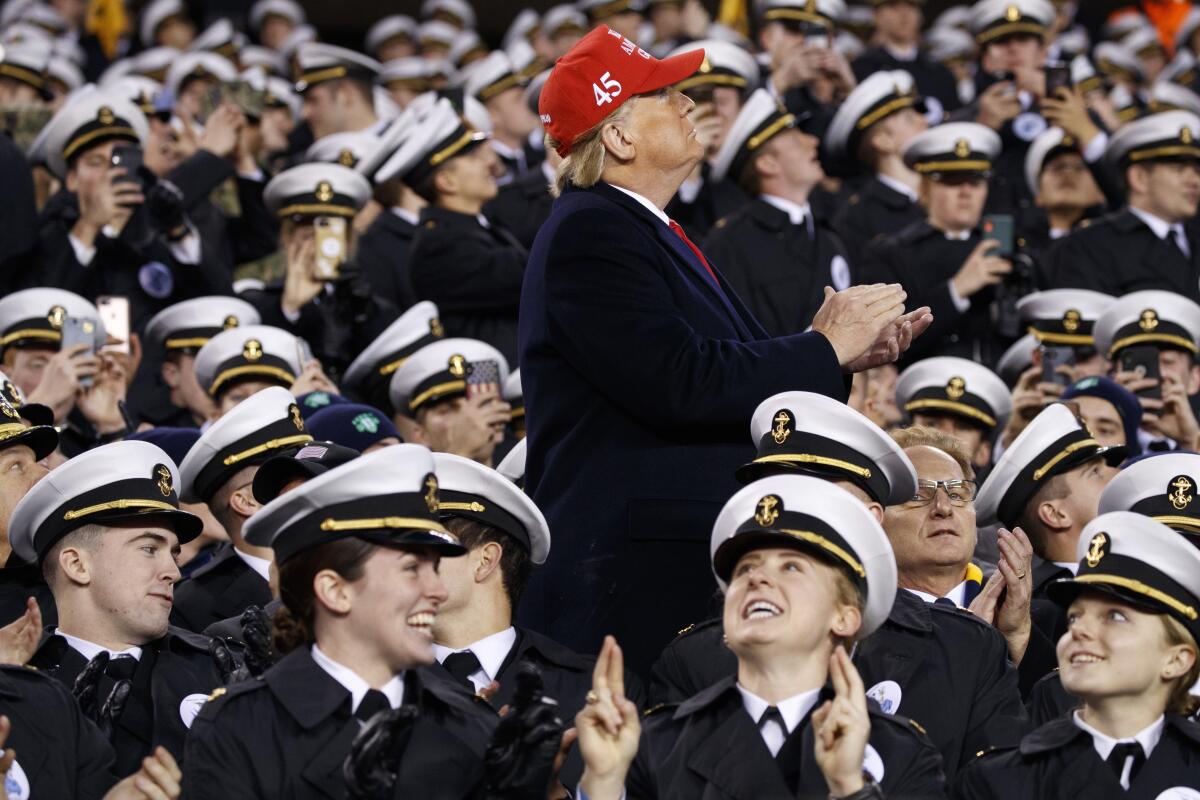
x,y
583,166
1181,701
923,436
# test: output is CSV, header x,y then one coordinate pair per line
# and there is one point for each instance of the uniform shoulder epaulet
x,y
658,709
697,627
854,199
429,225
721,223
1084,223
993,750
917,727
224,694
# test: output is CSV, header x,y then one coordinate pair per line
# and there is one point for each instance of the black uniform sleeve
x,y
1074,263
997,716
976,783
464,275
94,757
216,764
921,774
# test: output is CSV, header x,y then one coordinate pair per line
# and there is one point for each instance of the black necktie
x,y
1122,753
372,703
945,602
121,668
461,666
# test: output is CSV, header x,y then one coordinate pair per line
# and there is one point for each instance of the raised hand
x,y
158,779
608,727
842,727
19,639
520,762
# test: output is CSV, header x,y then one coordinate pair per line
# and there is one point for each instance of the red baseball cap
x,y
602,71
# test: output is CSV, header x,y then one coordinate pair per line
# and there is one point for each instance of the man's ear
x,y
75,564
171,375
876,510
445,181
242,502
1193,379
72,181
1049,514
617,141
487,560
983,454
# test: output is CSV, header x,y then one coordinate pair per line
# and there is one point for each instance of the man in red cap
x,y
641,367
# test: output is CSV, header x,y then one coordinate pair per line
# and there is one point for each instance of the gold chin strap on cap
x,y
1140,588
115,505
393,523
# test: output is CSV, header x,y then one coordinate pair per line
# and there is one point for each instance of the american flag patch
x,y
311,453
483,377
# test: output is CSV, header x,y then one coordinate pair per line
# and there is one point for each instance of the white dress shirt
x,y
393,690
897,186
797,214
655,210
1071,565
260,565
491,652
793,711
411,217
1162,229
90,650
957,594
1147,737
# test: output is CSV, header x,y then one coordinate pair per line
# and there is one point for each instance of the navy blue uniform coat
x,y
640,379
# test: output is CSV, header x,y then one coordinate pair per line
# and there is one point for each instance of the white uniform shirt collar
x,y
393,690
408,216
655,210
491,652
1160,226
957,594
796,213
1071,565
260,565
90,650
897,186
792,710
504,150
902,53
1147,737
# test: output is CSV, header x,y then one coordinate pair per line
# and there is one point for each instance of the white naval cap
x,y
256,56
263,425
761,118
826,13
46,17
35,318
949,385
947,45
524,27
389,497
512,466
1143,41
1084,75
64,72
1140,561
383,145
302,35
439,135
1128,105
325,62
281,94
953,147
199,65
525,60
311,190
848,45
1073,42
600,10
807,433
465,49
249,352
456,12
490,76
1063,316
1121,25
724,64
154,15
286,9
92,117
513,392
1048,144
564,17
346,148
1162,486
810,515
120,482
876,98
444,369
1167,96
155,62
1180,70
436,35
992,19
1016,359
1117,61
533,92
472,491
221,38
39,435
26,61
1056,441
954,17
393,26
1161,318
187,326
1187,29
415,73
370,374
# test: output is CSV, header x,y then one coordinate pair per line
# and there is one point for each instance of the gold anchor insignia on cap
x,y
230,322
105,115
962,148
435,327
252,350
1149,320
811,7
165,482
1185,135
1071,320
1012,13
1180,492
781,431
297,420
12,392
8,409
431,493
346,158
56,317
324,191
956,388
768,510
1068,140
458,365
1097,549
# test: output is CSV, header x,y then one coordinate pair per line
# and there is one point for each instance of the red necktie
x,y
679,232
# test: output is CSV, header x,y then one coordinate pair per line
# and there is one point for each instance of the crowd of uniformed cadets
x,y
263,524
